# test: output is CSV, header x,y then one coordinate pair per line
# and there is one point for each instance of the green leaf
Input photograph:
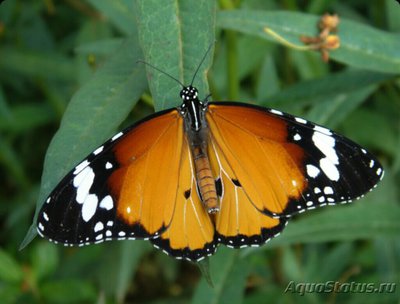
x,y
12,163
331,112
228,274
308,64
204,266
360,45
10,271
335,262
131,254
5,111
44,259
327,88
93,114
367,133
174,37
68,291
100,47
291,265
119,12
117,266
393,14
34,64
10,293
27,117
268,82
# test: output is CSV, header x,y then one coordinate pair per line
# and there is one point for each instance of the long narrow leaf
x,y
175,42
360,45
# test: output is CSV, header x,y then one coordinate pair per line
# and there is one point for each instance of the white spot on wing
x,y
297,137
98,150
276,112
371,163
82,165
326,144
98,227
323,130
45,216
312,171
328,190
83,181
329,169
89,207
109,165
116,136
300,120
107,203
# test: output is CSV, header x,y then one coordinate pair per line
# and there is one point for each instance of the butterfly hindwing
x,y
286,164
191,233
238,223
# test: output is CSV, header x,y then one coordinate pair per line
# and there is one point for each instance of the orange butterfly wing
x,y
156,187
286,164
191,232
139,184
253,150
144,185
125,189
238,223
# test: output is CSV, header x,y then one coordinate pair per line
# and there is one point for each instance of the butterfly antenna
x,y
201,62
161,71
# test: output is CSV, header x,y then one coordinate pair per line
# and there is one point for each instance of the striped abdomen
x,y
205,180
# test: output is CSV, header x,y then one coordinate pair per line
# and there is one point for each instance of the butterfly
x,y
203,174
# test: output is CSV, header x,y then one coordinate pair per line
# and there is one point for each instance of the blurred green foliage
x,y
72,64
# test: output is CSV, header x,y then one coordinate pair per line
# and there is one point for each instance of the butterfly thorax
x,y
197,134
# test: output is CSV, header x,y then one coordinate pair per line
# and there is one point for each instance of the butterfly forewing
x,y
107,195
286,164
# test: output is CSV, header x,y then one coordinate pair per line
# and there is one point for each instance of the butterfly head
x,y
189,94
